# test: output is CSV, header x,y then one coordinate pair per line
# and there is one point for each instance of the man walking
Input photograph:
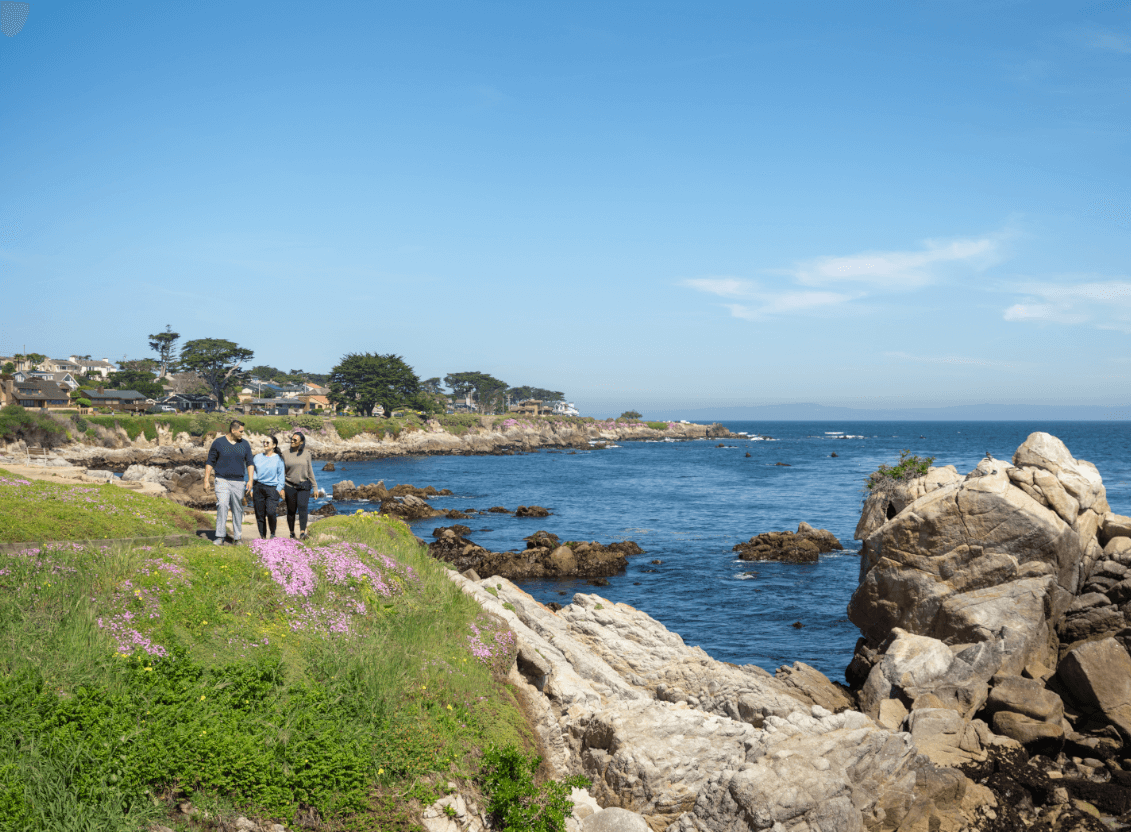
x,y
230,459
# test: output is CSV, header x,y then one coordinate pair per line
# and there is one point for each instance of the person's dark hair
x,y
232,425
302,438
274,442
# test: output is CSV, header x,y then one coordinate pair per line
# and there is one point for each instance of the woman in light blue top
x,y
269,477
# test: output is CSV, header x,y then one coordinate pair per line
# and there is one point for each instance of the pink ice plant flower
x,y
492,646
298,569
292,565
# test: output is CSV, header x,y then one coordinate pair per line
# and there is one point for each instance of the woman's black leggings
x,y
297,502
266,501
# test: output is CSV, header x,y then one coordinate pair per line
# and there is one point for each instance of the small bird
x,y
989,455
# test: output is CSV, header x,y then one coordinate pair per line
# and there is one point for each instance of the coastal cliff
x,y
115,450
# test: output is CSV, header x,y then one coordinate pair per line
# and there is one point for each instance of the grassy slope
x,y
132,678
39,510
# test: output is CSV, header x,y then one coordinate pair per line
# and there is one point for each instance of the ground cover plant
x,y
32,510
326,684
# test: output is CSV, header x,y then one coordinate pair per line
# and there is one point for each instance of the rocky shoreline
x,y
493,437
991,689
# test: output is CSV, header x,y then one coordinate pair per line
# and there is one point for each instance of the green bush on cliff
x,y
518,805
657,425
33,427
323,684
909,467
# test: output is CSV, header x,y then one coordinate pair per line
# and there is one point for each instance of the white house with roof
x,y
101,367
62,379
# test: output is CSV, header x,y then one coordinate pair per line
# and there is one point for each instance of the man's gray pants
x,y
229,496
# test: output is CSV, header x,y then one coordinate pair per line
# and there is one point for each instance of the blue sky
x,y
652,205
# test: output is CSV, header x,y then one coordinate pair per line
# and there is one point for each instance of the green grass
x,y
134,678
657,425
33,510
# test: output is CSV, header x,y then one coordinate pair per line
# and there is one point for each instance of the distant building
x,y
189,401
117,399
88,367
61,365
45,395
62,379
274,407
530,407
315,402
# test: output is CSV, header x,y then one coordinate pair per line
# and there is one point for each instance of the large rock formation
x,y
994,612
995,558
698,745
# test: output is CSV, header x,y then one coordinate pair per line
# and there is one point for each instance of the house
x,y
62,379
274,407
532,407
312,403
189,401
61,365
315,390
46,395
87,367
7,391
117,399
288,389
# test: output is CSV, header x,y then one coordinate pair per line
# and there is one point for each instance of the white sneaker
x,y
218,541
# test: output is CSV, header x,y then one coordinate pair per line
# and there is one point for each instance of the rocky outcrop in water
x,y
803,546
994,610
544,557
377,492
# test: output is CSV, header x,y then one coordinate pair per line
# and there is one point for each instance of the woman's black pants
x,y
266,501
297,501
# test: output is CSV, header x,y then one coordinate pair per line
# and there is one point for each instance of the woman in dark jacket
x,y
299,482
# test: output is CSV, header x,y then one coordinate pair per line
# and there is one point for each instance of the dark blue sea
x,y
688,503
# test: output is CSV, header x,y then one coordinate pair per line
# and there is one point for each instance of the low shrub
x,y
515,802
908,467
657,425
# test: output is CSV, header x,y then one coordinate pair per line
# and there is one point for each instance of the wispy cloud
x,y
855,276
1111,41
953,360
899,269
758,302
1102,304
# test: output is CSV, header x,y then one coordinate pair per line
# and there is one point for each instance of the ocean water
x,y
688,503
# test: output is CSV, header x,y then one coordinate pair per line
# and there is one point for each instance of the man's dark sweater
x,y
230,462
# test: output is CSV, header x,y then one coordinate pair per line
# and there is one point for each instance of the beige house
x,y
101,367
61,365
